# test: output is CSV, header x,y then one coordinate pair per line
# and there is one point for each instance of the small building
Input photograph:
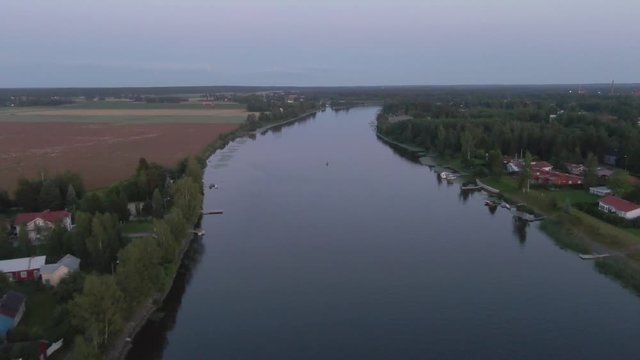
x,y
12,307
576,169
53,273
22,269
39,224
604,173
135,209
620,207
512,167
556,178
600,191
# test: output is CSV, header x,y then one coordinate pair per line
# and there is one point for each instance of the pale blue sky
x,y
348,42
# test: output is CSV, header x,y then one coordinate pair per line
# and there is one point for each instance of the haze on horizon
x,y
69,43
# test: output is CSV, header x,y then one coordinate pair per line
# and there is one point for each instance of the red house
x,y
23,269
556,178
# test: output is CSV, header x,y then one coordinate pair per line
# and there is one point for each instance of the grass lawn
x,y
137,227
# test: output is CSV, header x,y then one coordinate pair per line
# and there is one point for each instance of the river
x,y
333,245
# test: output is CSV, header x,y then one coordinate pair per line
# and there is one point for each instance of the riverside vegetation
x,y
473,132
121,279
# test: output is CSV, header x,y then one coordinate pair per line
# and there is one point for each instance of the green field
x,y
116,104
128,112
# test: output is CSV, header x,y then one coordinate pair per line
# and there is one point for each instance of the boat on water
x,y
448,176
213,186
505,205
490,203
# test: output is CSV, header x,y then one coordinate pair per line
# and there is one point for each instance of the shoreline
x,y
575,230
140,318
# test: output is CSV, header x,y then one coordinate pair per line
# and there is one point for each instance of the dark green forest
x,y
555,127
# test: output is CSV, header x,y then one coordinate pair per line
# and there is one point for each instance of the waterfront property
x,y
12,307
53,273
39,224
21,269
620,207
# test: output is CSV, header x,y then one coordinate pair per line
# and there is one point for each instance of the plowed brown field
x,y
102,153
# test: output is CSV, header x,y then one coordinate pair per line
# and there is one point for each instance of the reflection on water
x,y
520,229
368,258
155,331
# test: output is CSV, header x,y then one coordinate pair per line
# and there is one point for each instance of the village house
x,y
12,307
600,191
556,178
604,173
53,273
22,269
620,207
39,224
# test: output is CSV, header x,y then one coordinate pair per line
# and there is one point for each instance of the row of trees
x,y
565,140
54,193
144,267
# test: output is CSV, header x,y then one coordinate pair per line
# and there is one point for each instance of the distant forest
x,y
561,127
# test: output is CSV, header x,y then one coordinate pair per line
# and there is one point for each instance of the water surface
x,y
334,246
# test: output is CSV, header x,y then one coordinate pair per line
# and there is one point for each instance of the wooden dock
x,y
593,257
487,188
212,212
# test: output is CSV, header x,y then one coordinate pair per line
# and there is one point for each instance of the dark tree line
x,y
570,136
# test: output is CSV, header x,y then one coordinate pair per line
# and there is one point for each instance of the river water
x,y
332,245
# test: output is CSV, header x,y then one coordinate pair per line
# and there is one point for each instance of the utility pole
x,y
611,88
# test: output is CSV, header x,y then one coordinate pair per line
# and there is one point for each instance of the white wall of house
x,y
627,215
54,278
39,226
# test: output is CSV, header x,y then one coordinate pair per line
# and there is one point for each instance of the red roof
x,y
49,216
539,165
619,204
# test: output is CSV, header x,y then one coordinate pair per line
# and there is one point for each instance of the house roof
x,y
69,261
540,165
619,204
22,264
11,303
49,216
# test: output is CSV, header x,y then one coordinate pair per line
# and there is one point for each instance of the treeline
x,y
21,101
118,274
568,137
277,113
144,268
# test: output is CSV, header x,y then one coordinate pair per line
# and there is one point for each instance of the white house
x,y
53,273
620,207
38,224
600,190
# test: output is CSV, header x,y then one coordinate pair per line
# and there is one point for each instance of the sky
x,y
79,43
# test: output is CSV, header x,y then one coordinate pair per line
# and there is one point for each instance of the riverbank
x,y
570,228
146,311
143,315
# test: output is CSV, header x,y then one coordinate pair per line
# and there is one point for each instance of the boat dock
x,y
487,188
593,257
212,212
